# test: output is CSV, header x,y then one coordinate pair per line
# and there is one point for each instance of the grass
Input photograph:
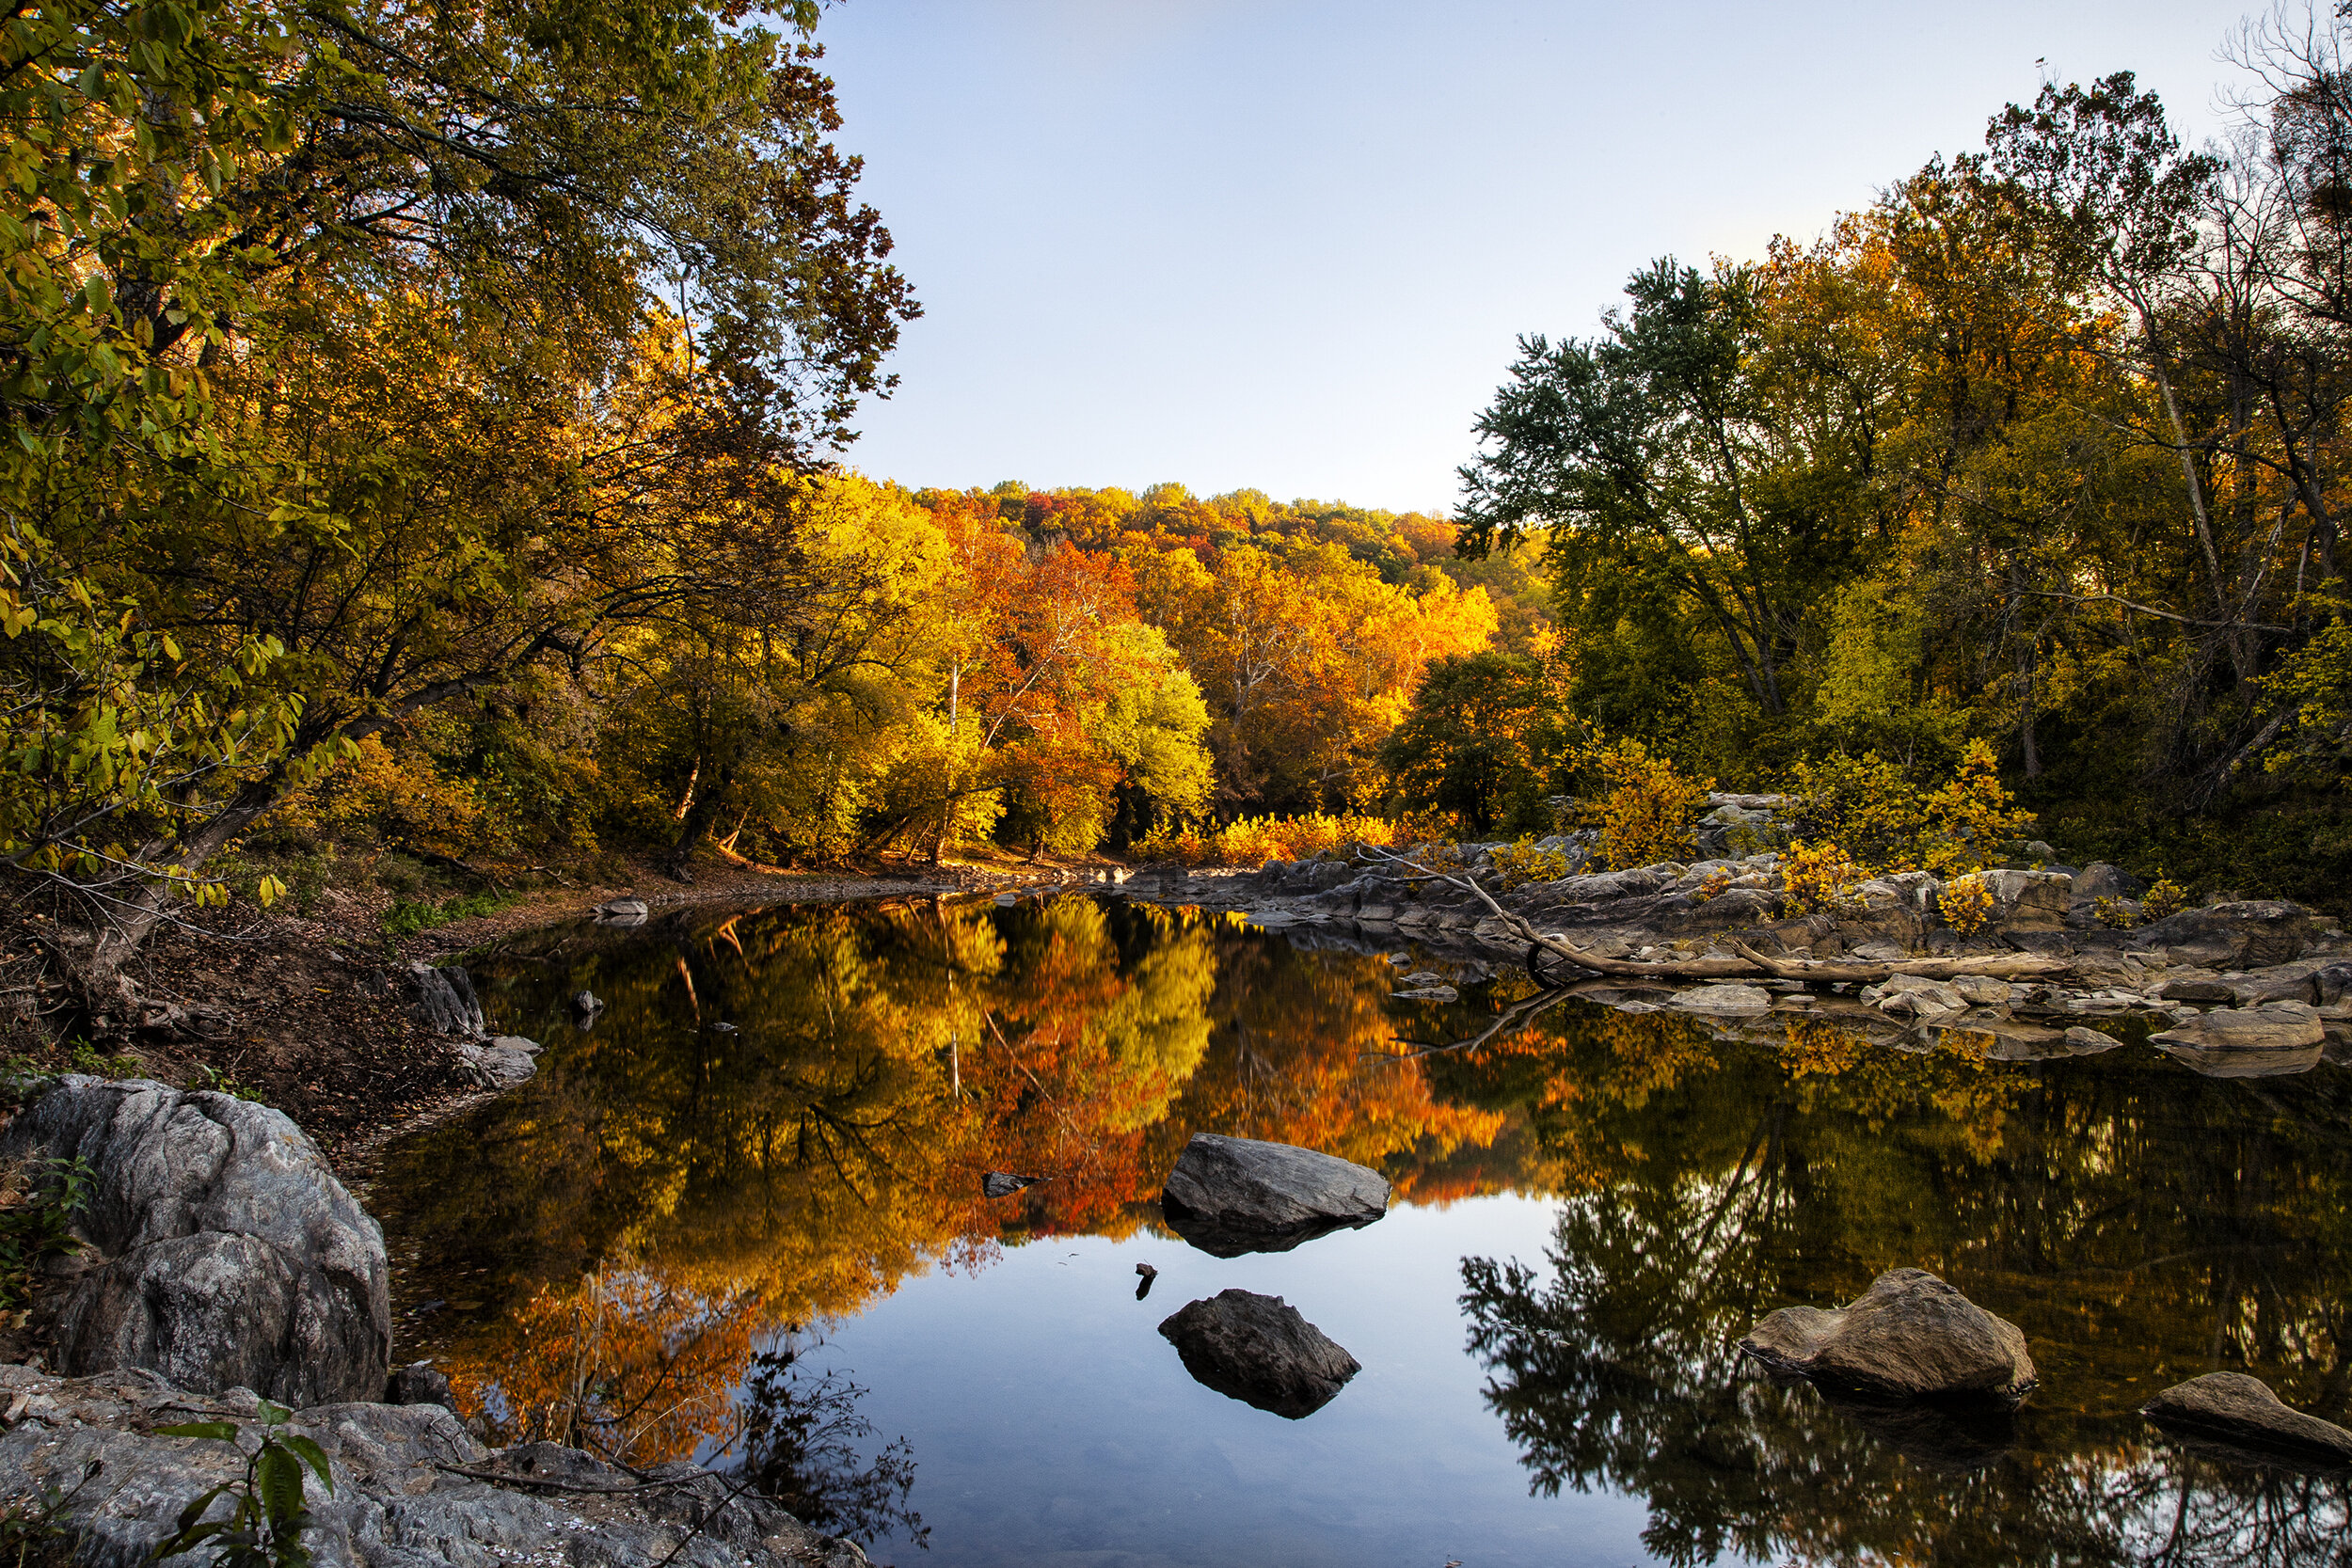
x,y
411,915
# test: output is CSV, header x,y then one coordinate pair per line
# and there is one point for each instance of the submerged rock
x,y
1259,1349
2241,1412
1003,1183
1910,1336
1233,1195
223,1254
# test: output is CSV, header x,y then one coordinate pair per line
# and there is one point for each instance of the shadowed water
x,y
740,1218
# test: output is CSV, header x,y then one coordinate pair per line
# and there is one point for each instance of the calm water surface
x,y
739,1219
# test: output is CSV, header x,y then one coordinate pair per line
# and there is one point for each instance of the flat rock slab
x,y
1233,1195
401,1499
222,1251
1259,1349
2241,1412
1909,1337
2273,1026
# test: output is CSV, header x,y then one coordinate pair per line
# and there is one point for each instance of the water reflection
x,y
628,1252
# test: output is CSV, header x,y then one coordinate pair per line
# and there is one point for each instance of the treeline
x,y
2045,448
1043,671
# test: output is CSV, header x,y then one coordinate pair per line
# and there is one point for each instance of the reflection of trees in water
x,y
2142,1224
802,1444
620,1232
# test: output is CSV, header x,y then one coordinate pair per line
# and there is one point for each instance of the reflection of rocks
x,y
1003,1183
1233,1195
1259,1351
1909,1335
2241,1412
2252,1042
223,1251
1723,999
1941,1434
623,911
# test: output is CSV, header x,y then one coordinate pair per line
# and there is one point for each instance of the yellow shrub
x,y
1964,824
1820,878
2114,911
2166,897
1968,903
1522,863
1712,886
1648,813
1255,840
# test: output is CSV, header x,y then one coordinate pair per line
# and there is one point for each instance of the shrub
x,y
38,1200
1968,903
1648,813
1523,862
1712,886
1868,804
1820,878
1255,840
2166,897
2113,911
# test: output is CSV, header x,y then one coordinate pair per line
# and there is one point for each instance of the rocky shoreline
x,y
2061,963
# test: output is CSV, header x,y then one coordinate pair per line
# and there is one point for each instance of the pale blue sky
x,y
1288,243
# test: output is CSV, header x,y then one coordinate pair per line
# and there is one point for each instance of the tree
x,y
1485,742
328,380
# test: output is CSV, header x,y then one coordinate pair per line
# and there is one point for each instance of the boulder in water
x,y
223,1252
1259,1349
1233,1195
2241,1412
1910,1336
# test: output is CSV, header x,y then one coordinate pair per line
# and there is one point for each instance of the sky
x,y
1290,245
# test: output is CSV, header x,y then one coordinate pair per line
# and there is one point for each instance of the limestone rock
x,y
2272,1026
1910,996
1722,999
623,911
501,1063
446,1002
2029,900
225,1253
1233,1195
418,1383
1909,1335
2241,1411
395,1503
2243,934
1258,1349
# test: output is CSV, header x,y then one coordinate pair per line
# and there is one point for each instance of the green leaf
x,y
313,1456
223,1431
278,1479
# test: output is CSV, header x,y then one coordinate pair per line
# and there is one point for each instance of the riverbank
x,y
311,1010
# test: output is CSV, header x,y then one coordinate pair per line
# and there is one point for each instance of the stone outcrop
x,y
1909,1337
446,1002
2246,1042
500,1062
1233,1195
403,1498
221,1252
2241,1412
1258,1349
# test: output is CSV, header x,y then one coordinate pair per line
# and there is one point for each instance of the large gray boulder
x,y
1258,1349
401,1499
1910,1336
2242,1412
1233,1195
2252,933
2276,1038
222,1252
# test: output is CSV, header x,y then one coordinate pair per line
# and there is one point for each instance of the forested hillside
x,y
432,439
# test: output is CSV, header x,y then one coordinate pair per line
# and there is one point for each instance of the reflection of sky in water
x,y
1051,1424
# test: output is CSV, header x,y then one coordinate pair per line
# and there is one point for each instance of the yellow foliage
x,y
1968,903
2113,911
1522,863
1820,878
1647,815
1256,840
1964,824
2166,897
1712,886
